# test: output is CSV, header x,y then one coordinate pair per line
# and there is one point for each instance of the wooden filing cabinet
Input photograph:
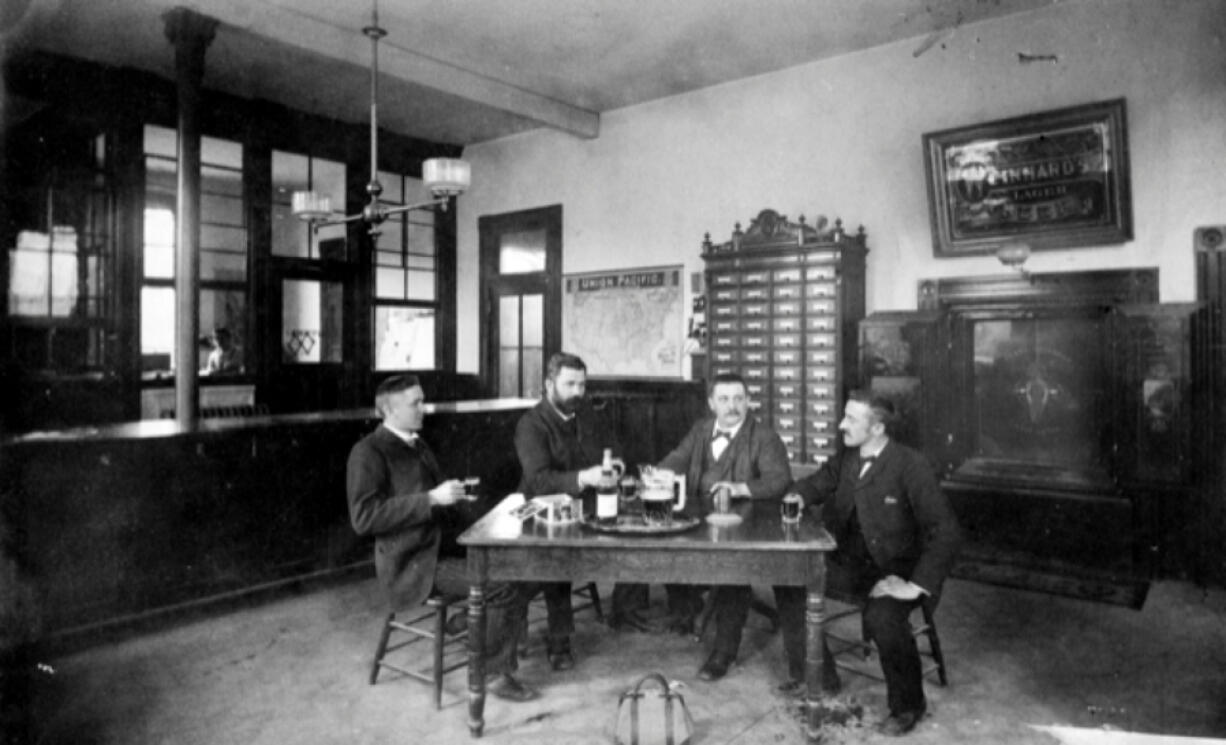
x,y
784,301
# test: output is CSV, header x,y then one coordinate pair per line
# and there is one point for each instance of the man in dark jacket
x,y
897,539
560,443
730,449
396,492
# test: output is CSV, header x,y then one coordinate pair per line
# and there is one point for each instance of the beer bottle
x,y
606,490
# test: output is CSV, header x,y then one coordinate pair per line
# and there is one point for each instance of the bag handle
x,y
637,693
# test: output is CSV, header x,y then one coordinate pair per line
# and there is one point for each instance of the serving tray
x,y
637,525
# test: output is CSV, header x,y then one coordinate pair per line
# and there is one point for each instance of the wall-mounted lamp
x,y
444,177
1014,255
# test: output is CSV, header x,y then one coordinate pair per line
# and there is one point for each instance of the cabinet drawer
x,y
821,426
756,373
755,293
819,459
724,342
787,292
719,310
755,278
787,406
722,370
819,357
819,323
724,356
753,340
788,390
820,272
755,357
788,275
789,424
787,323
819,391
786,357
787,309
786,373
755,324
819,305
725,295
789,439
787,341
819,340
821,442
820,289
723,279
725,326
755,309
755,390
820,374
822,408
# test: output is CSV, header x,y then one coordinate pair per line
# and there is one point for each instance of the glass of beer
x,y
791,508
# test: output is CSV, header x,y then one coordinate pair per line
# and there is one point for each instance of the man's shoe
x,y
560,657
630,621
457,624
507,688
793,688
715,667
896,725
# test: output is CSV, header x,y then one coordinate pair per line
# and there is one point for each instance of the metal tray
x,y
636,525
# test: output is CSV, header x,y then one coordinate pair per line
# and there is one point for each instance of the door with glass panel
x,y
521,263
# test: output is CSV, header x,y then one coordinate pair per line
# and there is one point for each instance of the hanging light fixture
x,y
443,177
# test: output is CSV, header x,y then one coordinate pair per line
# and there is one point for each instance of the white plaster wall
x,y
842,138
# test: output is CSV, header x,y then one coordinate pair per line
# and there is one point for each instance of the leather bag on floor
x,y
648,715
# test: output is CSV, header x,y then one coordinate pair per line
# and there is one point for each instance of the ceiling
x,y
468,71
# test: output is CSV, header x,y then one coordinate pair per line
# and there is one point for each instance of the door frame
x,y
492,284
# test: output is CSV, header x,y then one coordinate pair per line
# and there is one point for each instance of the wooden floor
x,y
293,669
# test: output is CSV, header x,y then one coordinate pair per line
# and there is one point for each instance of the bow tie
x,y
721,435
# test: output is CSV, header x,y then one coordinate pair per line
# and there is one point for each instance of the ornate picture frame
x,y
1056,179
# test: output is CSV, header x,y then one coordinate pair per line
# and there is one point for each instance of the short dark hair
x,y
882,407
725,378
393,385
560,360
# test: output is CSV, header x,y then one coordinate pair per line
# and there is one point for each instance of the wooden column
x,y
190,33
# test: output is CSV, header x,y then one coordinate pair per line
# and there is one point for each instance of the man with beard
x,y
560,443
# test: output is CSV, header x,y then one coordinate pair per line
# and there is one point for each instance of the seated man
x,y
732,449
897,542
395,493
560,443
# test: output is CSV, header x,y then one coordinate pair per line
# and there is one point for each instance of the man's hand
x,y
896,587
589,476
735,488
447,493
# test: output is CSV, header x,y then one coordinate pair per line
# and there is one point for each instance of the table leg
x,y
815,642
476,658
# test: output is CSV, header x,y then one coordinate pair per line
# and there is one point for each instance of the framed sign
x,y
1056,179
626,322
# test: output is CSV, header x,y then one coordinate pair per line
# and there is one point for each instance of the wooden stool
x,y
429,625
840,645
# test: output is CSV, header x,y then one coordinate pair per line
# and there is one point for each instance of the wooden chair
x,y
843,644
428,625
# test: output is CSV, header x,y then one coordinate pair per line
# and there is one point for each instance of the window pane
x,y
161,141
404,338
311,321
421,239
328,178
223,309
508,372
220,265
157,328
389,283
159,243
508,321
289,234
393,191
421,285
534,320
522,252
534,372
221,153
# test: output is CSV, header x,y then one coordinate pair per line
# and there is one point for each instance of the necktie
x,y
866,463
719,443
428,462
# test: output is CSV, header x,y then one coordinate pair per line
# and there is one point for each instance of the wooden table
x,y
758,550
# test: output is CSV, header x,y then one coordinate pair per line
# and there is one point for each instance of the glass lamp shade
x,y
446,176
309,205
1013,254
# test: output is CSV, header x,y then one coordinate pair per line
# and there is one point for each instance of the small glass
x,y
723,500
470,486
791,508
